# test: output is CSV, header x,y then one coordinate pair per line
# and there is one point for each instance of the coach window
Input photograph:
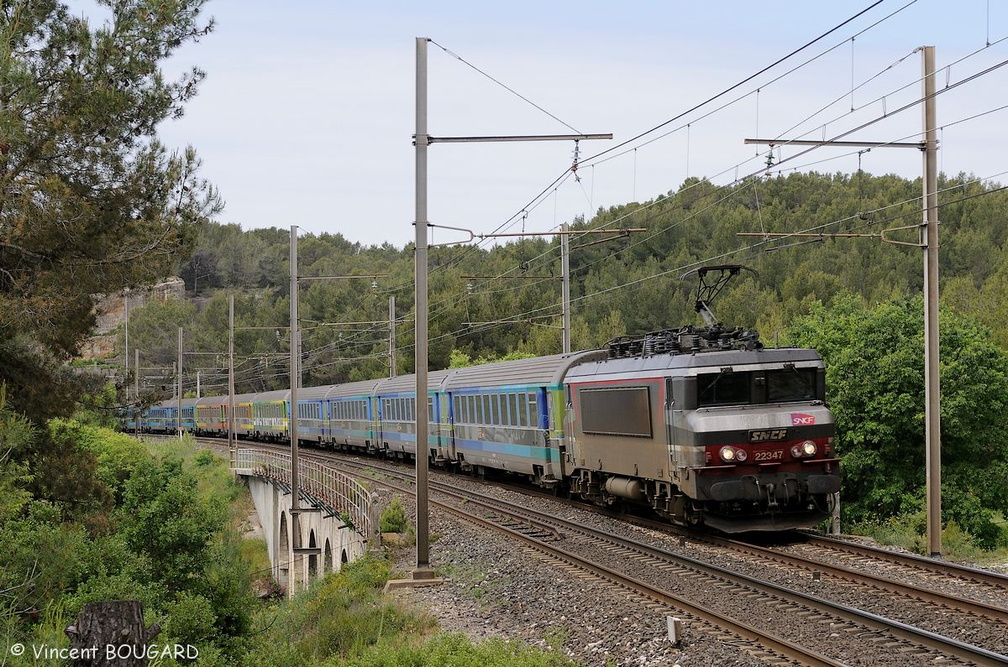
x,y
533,406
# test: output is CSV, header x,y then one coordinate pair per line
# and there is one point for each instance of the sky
x,y
307,111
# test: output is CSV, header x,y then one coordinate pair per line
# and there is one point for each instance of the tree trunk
x,y
111,633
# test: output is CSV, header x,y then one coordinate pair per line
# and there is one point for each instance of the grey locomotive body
x,y
716,431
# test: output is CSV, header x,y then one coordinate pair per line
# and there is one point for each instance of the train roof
x,y
690,364
271,396
537,371
362,388
314,393
402,384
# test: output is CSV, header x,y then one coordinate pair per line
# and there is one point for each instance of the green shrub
x,y
393,517
204,458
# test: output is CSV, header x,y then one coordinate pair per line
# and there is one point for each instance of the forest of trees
x,y
628,284
855,299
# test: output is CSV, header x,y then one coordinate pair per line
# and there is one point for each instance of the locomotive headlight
x,y
727,454
808,448
741,455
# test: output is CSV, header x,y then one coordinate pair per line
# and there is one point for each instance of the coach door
x,y
670,431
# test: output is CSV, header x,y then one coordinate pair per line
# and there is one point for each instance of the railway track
x,y
919,565
978,593
804,627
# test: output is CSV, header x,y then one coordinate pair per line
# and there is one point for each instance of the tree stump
x,y
111,633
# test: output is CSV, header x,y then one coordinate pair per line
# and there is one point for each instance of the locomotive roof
x,y
538,371
659,364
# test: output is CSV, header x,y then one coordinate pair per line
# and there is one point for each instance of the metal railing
x,y
343,495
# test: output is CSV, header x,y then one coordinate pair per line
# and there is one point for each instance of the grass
x,y
343,619
909,533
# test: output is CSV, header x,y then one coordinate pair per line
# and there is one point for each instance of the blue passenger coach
x,y
509,415
352,417
395,399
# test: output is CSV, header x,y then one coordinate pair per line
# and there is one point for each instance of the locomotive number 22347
x,y
768,455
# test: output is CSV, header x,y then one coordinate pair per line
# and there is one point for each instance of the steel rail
x,y
913,560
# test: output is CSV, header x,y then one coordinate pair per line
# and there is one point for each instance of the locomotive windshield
x,y
753,387
724,388
793,384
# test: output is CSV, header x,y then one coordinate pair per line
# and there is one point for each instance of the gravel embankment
x,y
498,588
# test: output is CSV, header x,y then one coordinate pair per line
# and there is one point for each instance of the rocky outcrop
x,y
111,312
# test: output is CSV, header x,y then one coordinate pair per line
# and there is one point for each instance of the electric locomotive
x,y
712,429
705,425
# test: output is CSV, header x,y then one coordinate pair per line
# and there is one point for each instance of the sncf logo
x,y
799,419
